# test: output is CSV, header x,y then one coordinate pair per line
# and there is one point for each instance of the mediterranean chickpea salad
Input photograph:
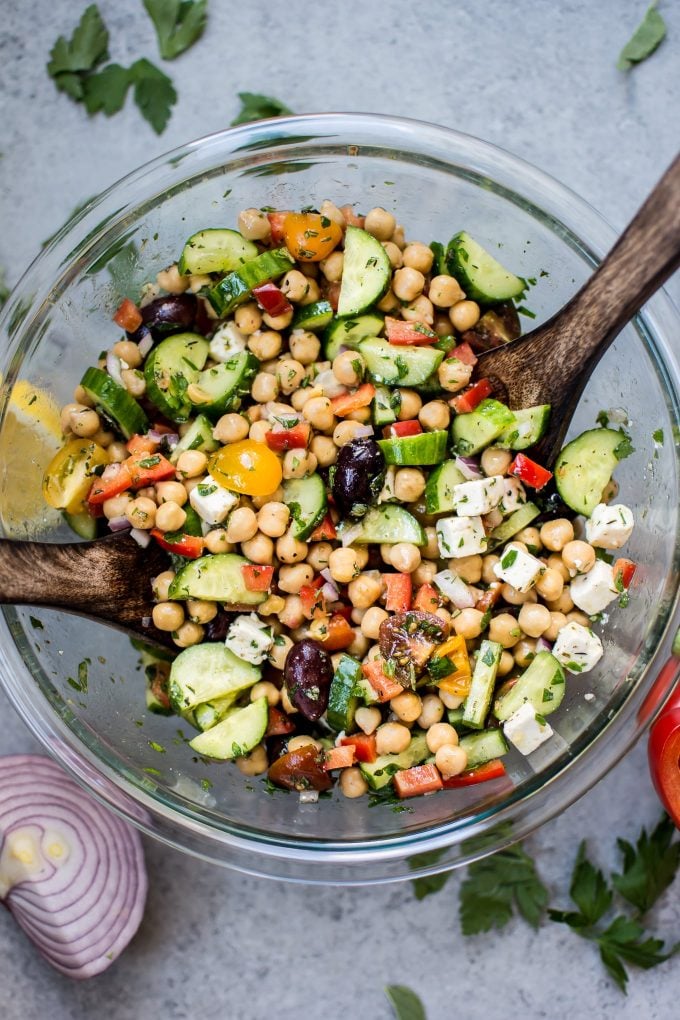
x,y
370,580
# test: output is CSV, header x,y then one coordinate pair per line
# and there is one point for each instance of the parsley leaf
x,y
178,23
71,59
649,867
623,941
406,1004
258,107
624,448
5,291
106,90
649,34
494,884
589,889
154,93
429,884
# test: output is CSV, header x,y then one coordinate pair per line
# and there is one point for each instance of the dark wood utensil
x,y
110,579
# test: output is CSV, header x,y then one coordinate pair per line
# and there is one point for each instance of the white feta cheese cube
x,y
210,501
592,592
518,568
470,499
525,731
514,495
460,536
227,341
577,648
250,638
610,527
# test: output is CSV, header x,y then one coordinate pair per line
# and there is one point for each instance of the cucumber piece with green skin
x,y
366,272
236,286
215,251
541,684
478,701
480,275
518,520
199,436
342,697
379,773
313,317
487,745
226,383
386,525
115,401
586,465
236,735
399,366
385,407
440,267
439,487
208,671
307,501
425,448
528,427
209,713
472,432
84,524
192,522
347,331
217,577
455,718
171,367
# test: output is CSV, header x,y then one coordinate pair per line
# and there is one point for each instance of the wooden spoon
x,y
110,579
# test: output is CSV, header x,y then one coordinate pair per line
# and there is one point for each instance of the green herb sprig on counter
x,y
5,291
405,1003
178,23
258,107
649,34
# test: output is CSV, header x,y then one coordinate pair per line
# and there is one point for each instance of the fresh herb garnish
x,y
495,886
405,1003
258,107
649,34
4,289
72,59
657,436
178,23
624,448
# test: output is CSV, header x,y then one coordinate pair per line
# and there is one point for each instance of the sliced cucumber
x,y
348,330
478,701
439,488
480,275
399,366
366,272
342,697
225,384
199,436
483,746
171,367
313,317
472,432
425,448
193,525
208,714
208,671
235,288
386,404
215,251
307,501
541,684
387,525
585,466
83,524
455,718
378,773
236,735
439,268
217,578
528,427
518,520
115,401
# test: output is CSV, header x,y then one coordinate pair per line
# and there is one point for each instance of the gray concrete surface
x,y
540,79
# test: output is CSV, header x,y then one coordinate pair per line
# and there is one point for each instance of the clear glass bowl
x,y
59,319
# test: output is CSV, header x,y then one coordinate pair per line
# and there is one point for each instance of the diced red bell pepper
x,y
351,218
468,400
465,354
339,634
257,578
278,723
313,603
148,468
490,597
399,592
529,472
399,429
295,438
324,531
141,444
416,781
271,299
277,222
346,403
427,599
190,546
364,744
340,757
345,611
408,334
623,573
128,316
384,686
490,770
114,479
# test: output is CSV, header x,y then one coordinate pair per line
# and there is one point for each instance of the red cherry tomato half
x,y
664,750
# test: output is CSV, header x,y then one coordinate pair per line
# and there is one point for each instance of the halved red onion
x,y
169,439
330,592
455,589
543,645
145,344
469,468
141,537
119,524
363,430
71,873
114,368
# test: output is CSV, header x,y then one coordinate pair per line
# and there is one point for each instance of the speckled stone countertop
x,y
540,79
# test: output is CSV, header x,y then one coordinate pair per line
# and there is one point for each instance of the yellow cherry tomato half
x,y
248,467
310,237
69,475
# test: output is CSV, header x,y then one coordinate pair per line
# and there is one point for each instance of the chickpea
x,y
231,428
495,461
534,619
265,344
290,374
407,706
84,422
576,616
445,291
294,285
365,589
242,525
370,624
304,346
271,606
265,387
168,616
319,413
216,541
550,584
380,223
359,645
434,415
389,303
254,225
424,574
524,651
254,763
344,565
344,432
431,712
418,256
469,568
386,553
118,452
392,738
272,519
192,463
128,351
468,623
488,563
464,315
454,374
352,783
298,463
332,266
506,663
81,397
504,629
277,657
610,491
556,534
410,405
313,290
258,549
405,557
444,615
513,597
578,557
430,550
408,284
117,506
134,382
398,237
318,553
331,211
197,281
349,367
291,616
440,734
291,579
289,549
170,517
451,700
420,310
393,254
563,604
248,318
171,280
141,513
325,450
368,719
160,585
409,484
259,429
450,761
188,634
361,415
441,325
531,538
200,611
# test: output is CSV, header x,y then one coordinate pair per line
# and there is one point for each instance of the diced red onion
x,y
145,344
111,471
543,645
140,536
469,468
275,412
350,534
170,439
330,592
146,621
119,524
455,589
363,430
71,873
114,368
328,382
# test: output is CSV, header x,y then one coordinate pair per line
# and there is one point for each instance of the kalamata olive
x,y
407,641
307,674
301,769
173,313
358,477
216,629
139,334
